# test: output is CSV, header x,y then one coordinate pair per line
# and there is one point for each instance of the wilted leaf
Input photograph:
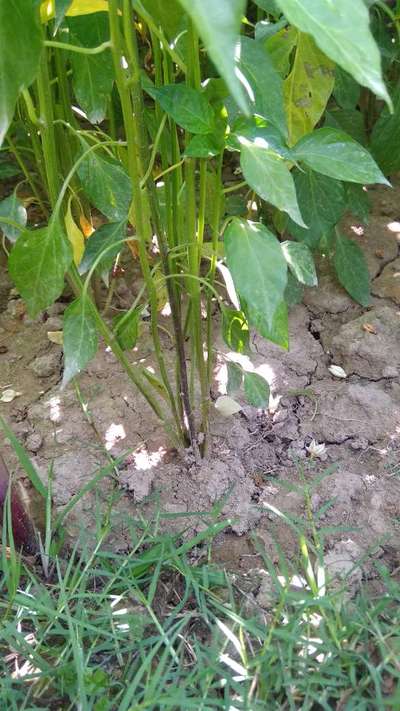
x,y
9,395
227,406
74,235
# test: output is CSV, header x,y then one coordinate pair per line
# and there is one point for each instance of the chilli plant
x,y
213,140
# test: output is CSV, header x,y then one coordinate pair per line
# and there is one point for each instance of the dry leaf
x,y
369,328
337,371
9,395
86,226
227,406
379,253
55,337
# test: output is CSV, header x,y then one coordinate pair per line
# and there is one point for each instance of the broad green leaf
x,y
280,47
256,389
167,15
61,8
265,29
74,235
37,265
278,331
266,84
300,262
188,107
346,91
255,130
358,202
92,74
20,49
352,270
218,24
106,184
106,239
322,202
256,263
294,291
204,146
307,88
268,6
267,173
350,121
335,154
126,329
12,208
235,377
8,170
385,139
341,30
80,337
235,330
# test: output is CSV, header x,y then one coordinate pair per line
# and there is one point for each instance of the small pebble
x,y
34,442
46,365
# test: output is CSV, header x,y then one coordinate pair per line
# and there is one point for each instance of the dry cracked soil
x,y
258,463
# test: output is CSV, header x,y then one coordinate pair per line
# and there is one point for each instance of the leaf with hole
x,y
341,30
335,154
235,330
80,337
20,49
268,174
307,88
256,389
280,47
218,24
187,106
38,263
106,184
300,262
352,270
257,265
13,209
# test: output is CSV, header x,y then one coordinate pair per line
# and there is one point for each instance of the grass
x,y
159,627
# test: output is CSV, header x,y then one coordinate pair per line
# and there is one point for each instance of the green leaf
x,y
37,265
188,107
255,131
352,270
335,154
126,328
350,121
280,47
294,291
204,146
20,49
385,140
256,389
61,7
278,331
322,202
80,337
92,74
106,184
167,15
13,209
307,88
218,24
8,170
300,262
265,82
358,202
235,377
235,330
346,91
341,30
267,173
268,6
107,239
256,263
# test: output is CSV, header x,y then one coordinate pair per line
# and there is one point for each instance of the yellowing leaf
x,y
55,337
78,7
75,236
86,226
307,88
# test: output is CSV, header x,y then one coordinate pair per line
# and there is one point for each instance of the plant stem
x,y
133,122
47,131
27,174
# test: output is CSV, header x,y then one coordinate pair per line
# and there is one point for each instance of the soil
x,y
258,463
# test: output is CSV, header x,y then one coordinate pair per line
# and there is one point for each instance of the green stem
x,y
213,267
77,48
47,131
134,132
142,12
27,175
